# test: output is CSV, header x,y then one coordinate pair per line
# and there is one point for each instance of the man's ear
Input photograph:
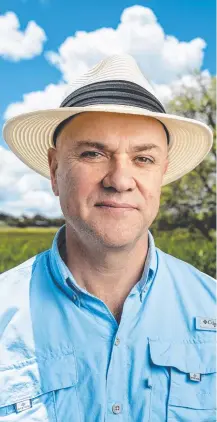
x,y
53,165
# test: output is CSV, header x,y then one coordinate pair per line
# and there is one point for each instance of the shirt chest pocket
x,y
190,369
30,392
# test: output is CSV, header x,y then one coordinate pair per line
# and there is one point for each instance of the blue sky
x,y
185,20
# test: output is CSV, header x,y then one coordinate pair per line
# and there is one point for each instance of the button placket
x,y
116,380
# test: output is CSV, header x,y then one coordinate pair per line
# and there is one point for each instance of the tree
x,y
190,202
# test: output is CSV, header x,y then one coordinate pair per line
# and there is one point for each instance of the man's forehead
x,y
68,128
100,117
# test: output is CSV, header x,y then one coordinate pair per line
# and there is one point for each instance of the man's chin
x,y
117,238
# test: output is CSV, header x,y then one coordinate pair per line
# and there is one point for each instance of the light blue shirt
x,y
64,358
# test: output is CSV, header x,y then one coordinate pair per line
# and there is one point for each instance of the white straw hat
x,y
116,84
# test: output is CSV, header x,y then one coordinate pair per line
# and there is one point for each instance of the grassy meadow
x,y
19,244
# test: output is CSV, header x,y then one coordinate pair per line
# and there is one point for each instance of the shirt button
x,y
149,382
74,298
116,408
117,341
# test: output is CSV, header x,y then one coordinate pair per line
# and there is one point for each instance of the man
x,y
104,325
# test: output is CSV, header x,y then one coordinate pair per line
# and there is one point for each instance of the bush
x,y
190,247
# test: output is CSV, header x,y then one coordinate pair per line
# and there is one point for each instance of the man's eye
x,y
92,154
95,154
145,160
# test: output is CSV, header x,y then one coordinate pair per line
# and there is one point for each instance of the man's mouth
x,y
113,204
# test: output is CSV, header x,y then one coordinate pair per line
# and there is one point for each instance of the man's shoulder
x,y
184,269
18,277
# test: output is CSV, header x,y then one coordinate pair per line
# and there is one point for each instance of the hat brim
x,y
30,135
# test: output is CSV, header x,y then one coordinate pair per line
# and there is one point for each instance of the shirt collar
x,y
64,279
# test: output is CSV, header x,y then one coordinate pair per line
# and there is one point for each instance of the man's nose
x,y
119,177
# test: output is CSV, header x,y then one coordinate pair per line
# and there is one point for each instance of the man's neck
x,y
107,274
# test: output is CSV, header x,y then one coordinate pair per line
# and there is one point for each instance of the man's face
x,y
109,157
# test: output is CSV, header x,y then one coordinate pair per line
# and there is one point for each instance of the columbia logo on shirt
x,y
206,323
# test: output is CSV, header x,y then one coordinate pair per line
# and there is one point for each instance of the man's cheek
x,y
81,189
77,192
153,202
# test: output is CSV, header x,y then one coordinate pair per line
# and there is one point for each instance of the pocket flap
x,y
32,378
194,356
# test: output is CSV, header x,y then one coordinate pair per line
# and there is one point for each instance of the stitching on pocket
x,y
54,403
78,401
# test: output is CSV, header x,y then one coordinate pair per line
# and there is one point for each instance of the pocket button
x,y
116,408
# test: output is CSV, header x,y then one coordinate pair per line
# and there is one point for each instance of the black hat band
x,y
111,92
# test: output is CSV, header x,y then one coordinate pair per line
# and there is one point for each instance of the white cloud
x,y
15,44
22,191
162,58
50,97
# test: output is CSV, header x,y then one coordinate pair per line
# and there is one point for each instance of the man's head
x,y
109,157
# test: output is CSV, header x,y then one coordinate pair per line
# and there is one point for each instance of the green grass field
x,y
19,244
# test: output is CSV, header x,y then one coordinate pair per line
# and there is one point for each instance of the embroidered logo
x,y
23,405
206,323
195,377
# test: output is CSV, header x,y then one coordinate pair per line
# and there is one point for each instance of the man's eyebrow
x,y
93,144
145,147
106,147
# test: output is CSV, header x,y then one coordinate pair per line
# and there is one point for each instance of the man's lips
x,y
113,204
